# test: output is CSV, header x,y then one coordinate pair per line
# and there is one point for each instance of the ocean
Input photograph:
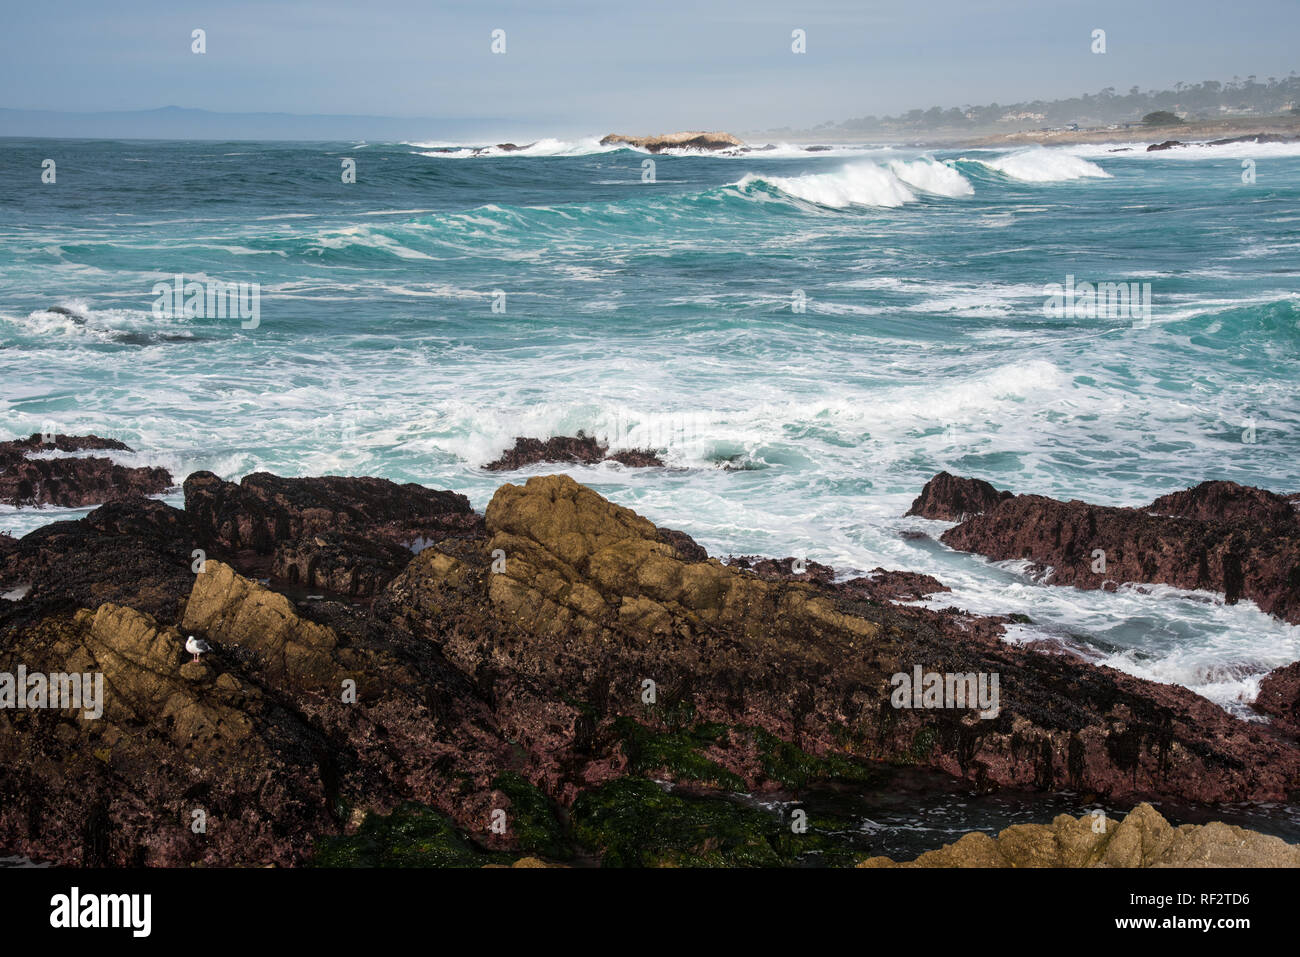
x,y
808,336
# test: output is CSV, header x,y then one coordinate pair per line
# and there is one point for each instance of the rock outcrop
x,y
340,562
581,449
1279,697
265,510
1218,536
72,481
951,499
136,552
808,662
677,141
264,736
1143,839
1228,141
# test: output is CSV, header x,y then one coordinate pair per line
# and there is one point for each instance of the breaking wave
x,y
865,184
1042,166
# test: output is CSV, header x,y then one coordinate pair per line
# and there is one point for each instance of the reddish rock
x,y
636,458
949,498
72,481
1226,502
1279,696
686,548
783,569
1219,536
883,585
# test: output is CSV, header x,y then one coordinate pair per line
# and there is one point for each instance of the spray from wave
x,y
930,176
547,146
865,184
1042,166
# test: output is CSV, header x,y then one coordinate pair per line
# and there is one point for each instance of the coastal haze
x,y
771,277
410,70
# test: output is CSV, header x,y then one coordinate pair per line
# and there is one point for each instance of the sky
x,y
592,66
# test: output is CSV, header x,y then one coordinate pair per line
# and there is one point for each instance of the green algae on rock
x,y
531,818
412,836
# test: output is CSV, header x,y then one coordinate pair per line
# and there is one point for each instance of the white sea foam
x,y
368,238
102,325
547,146
1040,165
591,146
1189,151
857,184
932,177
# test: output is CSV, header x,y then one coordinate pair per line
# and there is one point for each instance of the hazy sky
x,y
594,65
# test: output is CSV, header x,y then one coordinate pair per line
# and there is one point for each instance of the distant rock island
x,y
693,140
689,140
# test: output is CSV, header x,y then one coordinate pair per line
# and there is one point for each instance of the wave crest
x,y
865,184
1042,166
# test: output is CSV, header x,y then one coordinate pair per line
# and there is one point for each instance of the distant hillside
x,y
1205,101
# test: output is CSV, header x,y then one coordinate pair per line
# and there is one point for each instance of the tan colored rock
x,y
1081,844
575,560
1143,839
1225,845
1138,838
232,610
146,679
975,849
1029,845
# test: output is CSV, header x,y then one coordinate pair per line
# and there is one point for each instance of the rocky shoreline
x,y
727,144
395,678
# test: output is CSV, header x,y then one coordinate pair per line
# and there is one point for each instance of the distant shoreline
x,y
1156,134
1135,133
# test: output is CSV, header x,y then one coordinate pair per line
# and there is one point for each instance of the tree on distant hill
x,y
1161,118
1200,102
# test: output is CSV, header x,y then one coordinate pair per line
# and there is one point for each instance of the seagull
x,y
196,646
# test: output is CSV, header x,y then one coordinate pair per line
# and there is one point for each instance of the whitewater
x,y
807,337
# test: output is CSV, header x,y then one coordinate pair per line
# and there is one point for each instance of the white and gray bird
x,y
196,646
